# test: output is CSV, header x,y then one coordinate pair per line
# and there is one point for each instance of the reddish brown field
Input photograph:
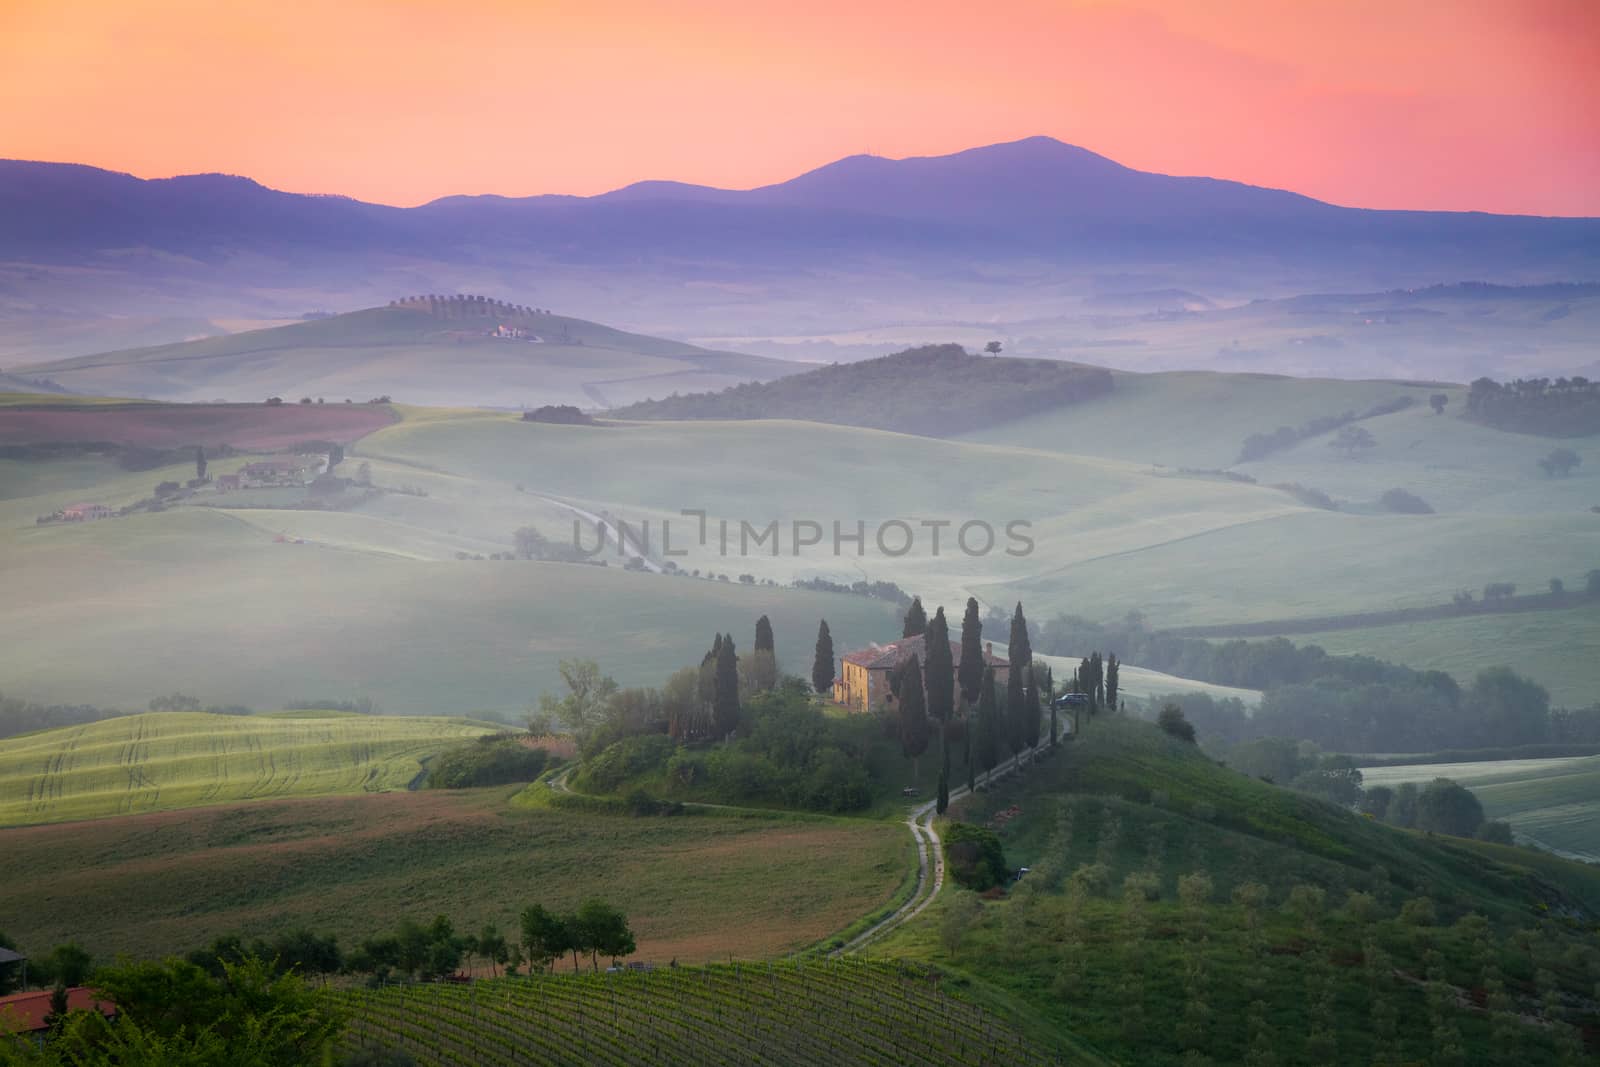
x,y
257,427
695,887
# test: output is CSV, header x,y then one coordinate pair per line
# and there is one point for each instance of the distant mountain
x,y
1004,232
452,351
935,390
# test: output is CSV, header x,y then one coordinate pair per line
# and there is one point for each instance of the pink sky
x,y
1489,105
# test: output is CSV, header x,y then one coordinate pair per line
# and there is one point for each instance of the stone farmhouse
x,y
863,682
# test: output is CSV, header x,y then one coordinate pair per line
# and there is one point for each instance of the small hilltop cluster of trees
x,y
1564,407
1261,445
465,306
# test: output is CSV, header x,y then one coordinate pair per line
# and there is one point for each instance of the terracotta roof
x,y
23,1013
888,657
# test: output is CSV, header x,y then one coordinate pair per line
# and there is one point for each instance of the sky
x,y
1485,105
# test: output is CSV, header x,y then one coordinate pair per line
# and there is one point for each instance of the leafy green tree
x,y
970,673
725,701
1446,807
912,714
491,945
1504,708
1403,810
822,662
1560,462
544,936
582,710
916,619
602,930
68,964
1351,440
940,671
992,348
1437,401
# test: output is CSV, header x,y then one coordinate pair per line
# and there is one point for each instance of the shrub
x,y
628,758
1448,808
1496,831
1091,879
1141,885
491,762
1418,911
973,856
1172,722
1306,902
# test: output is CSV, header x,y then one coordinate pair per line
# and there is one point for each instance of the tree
x,y
1016,724
10,973
764,635
1403,809
1558,588
1353,439
1445,807
916,619
491,945
1112,682
68,964
822,663
530,543
1437,401
1560,463
970,673
1030,701
364,474
544,936
993,348
912,714
989,725
1020,650
725,697
1172,722
199,463
940,671
588,693
942,802
603,931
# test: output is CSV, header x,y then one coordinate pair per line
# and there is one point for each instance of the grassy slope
x,y
157,762
697,888
1136,801
405,353
1554,802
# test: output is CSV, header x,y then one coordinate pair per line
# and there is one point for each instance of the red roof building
x,y
25,1013
863,681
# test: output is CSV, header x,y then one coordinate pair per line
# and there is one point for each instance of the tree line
x,y
1564,407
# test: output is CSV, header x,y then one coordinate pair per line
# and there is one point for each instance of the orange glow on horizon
x,y
1489,105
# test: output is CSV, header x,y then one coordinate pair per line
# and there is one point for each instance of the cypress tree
x,y
966,735
1050,695
1098,666
822,665
725,702
1016,727
913,709
943,801
941,672
1086,682
1030,714
1111,680
763,635
989,725
971,672
916,619
1021,650
200,463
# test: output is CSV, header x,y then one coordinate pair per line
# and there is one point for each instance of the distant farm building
x,y
280,471
864,676
227,483
85,512
25,1013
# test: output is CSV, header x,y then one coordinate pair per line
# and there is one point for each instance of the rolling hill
x,y
423,352
162,761
994,237
937,390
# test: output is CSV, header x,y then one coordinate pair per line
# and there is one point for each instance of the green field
x,y
783,1013
416,357
1158,971
698,888
167,760
1559,648
1554,803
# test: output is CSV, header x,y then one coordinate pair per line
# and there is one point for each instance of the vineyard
x,y
841,1012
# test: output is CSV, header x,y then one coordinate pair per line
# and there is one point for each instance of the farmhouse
x,y
25,1013
863,681
84,512
281,470
227,483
